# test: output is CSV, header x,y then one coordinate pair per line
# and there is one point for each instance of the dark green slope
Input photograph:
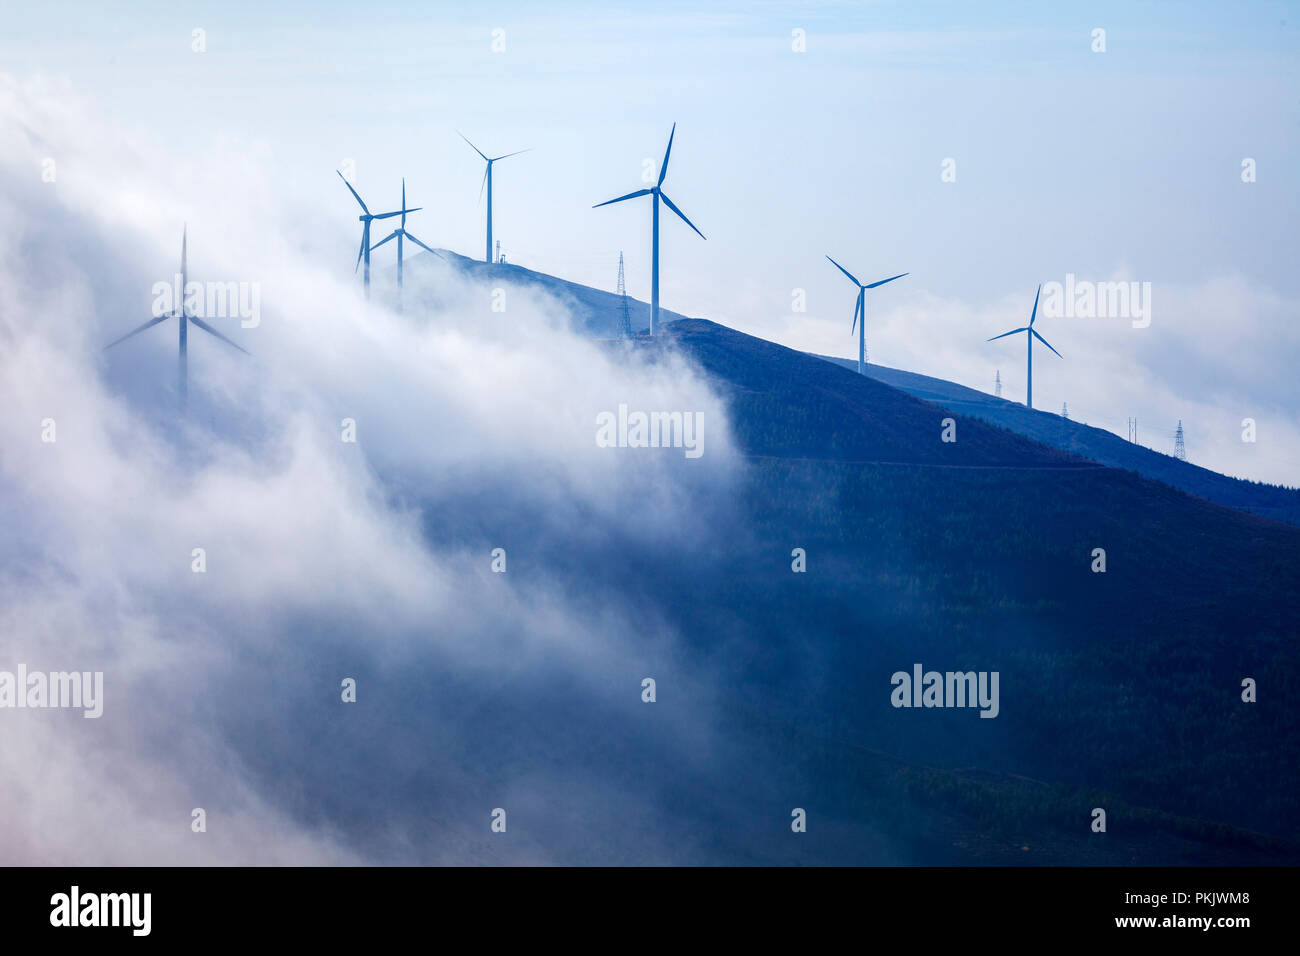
x,y
795,405
1098,444
1120,689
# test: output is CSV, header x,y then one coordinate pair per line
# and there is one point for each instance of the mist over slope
x,y
324,558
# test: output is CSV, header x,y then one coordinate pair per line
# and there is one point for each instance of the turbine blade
x,y
639,192
398,212
391,235
209,329
483,185
423,246
497,159
663,170
138,330
1005,334
362,251
1034,314
1034,333
670,205
846,272
354,193
890,279
471,145
857,310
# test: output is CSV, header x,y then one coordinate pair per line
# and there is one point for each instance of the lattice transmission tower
x,y
625,315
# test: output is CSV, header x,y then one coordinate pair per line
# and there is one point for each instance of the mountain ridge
x,y
598,314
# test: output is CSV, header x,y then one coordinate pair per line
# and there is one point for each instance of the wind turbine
x,y
366,218
860,309
657,192
1029,346
487,181
399,233
183,316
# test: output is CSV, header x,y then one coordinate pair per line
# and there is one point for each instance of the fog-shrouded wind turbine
x,y
184,317
657,193
487,183
860,311
399,234
366,218
1032,334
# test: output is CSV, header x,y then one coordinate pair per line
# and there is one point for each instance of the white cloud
x,y
317,550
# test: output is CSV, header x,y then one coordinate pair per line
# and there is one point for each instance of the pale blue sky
x,y
1068,161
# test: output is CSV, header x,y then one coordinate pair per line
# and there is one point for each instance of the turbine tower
x,y
183,316
366,218
487,182
657,193
400,233
860,309
1031,334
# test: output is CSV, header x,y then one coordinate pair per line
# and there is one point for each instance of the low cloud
x,y
322,558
